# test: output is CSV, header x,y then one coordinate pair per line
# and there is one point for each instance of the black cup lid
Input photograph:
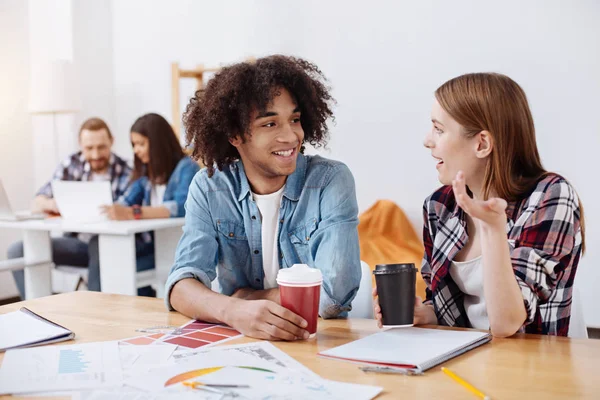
x,y
385,269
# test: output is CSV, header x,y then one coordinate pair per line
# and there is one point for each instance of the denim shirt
x,y
318,222
176,192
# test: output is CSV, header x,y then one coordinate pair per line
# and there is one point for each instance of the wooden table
x,y
525,365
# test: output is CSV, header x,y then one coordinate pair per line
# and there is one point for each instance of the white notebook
x,y
418,348
25,328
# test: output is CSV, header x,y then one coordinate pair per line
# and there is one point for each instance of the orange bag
x,y
386,236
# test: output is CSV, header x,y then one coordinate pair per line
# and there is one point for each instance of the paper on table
x,y
20,328
261,350
62,393
55,368
138,360
132,394
170,378
81,201
135,361
278,386
243,364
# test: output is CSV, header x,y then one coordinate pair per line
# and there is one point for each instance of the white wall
x,y
80,32
149,36
16,162
93,53
50,26
384,59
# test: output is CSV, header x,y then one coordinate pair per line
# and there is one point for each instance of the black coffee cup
x,y
396,291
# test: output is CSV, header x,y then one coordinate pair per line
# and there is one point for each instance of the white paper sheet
x,y
278,386
19,328
170,378
139,360
81,201
262,350
270,373
135,361
132,394
57,368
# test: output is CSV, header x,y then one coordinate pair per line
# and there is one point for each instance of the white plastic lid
x,y
299,274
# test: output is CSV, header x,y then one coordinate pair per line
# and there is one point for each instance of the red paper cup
x,y
300,292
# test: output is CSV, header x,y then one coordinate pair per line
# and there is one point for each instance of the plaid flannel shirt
x,y
544,239
76,168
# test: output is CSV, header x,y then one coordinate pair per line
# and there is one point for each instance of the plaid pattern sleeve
x,y
120,176
544,238
425,265
545,254
444,234
67,170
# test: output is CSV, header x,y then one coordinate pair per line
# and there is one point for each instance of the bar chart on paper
x,y
65,367
72,362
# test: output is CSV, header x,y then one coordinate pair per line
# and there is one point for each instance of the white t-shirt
x,y
468,276
157,195
94,177
269,205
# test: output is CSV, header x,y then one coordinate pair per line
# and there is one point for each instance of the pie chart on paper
x,y
186,376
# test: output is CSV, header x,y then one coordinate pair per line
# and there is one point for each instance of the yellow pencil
x,y
465,384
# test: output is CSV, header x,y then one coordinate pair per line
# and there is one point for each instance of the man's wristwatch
x,y
137,212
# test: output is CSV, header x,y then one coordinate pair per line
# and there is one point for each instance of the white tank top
x,y
468,276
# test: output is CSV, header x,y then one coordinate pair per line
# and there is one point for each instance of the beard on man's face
x,y
98,164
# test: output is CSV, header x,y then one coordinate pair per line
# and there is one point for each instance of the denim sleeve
x,y
134,194
177,206
334,244
196,255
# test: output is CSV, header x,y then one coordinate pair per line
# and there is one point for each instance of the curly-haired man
x,y
261,205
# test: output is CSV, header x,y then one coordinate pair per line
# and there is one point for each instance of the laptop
x,y
80,201
7,213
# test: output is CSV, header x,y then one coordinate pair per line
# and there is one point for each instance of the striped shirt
x,y
544,240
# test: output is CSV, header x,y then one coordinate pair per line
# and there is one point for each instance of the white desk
x,y
117,252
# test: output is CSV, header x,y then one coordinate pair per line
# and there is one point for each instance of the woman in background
x,y
161,177
504,236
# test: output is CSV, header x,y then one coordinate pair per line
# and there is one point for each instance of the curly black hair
x,y
223,110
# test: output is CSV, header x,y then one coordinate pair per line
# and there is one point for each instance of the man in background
x,y
94,162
